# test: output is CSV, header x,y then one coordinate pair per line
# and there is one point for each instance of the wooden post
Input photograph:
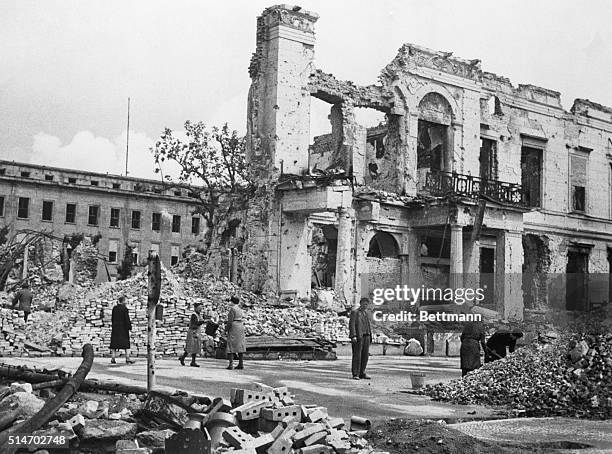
x,y
154,275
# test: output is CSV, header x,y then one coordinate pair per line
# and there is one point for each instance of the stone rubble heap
x,y
262,420
86,316
566,377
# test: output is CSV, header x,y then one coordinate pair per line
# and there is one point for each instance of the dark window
x,y
156,222
94,212
47,210
157,190
488,159
114,217
195,226
579,198
174,255
49,177
71,180
25,174
70,213
178,193
136,219
176,224
23,210
3,171
135,256
431,145
1,205
578,182
93,183
116,186
531,176
113,247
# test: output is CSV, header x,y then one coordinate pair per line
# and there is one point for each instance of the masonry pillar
x,y
295,268
278,114
344,255
508,274
456,256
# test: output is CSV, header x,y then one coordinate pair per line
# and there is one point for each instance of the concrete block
x,y
77,422
282,391
242,396
237,438
317,415
263,441
316,438
250,411
335,423
300,437
316,449
281,445
279,414
338,445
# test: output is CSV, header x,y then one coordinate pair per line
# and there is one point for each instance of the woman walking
x,y
234,329
472,338
120,331
193,343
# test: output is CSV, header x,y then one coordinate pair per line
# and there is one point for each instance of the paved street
x,y
326,383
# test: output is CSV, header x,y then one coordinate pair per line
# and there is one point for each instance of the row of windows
x,y
138,187
93,216
113,252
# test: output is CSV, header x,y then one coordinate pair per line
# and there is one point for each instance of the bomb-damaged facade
x,y
470,181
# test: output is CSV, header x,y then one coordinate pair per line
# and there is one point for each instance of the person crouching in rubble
x,y
24,298
234,328
497,343
120,331
210,331
193,343
472,338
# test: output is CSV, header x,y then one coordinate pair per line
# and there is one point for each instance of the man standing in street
x,y
361,335
24,298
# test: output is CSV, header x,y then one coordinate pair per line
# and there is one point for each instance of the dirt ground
x,y
403,436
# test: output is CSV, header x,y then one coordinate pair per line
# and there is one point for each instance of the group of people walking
x,y
196,341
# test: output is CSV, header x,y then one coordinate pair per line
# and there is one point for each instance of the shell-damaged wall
x,y
463,106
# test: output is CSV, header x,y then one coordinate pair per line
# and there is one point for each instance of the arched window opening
x,y
383,245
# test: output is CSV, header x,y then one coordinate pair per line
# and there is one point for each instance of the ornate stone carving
x,y
295,18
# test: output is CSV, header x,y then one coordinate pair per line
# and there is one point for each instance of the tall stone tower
x,y
278,117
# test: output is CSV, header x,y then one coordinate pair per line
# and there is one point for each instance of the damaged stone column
x,y
508,274
456,256
278,114
295,261
344,257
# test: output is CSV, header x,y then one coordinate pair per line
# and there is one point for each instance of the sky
x,y
67,67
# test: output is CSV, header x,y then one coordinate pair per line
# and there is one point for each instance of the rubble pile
x,y
259,420
85,317
570,376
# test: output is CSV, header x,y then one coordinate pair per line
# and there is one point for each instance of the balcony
x,y
439,183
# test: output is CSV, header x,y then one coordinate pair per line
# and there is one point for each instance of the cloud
x,y
89,152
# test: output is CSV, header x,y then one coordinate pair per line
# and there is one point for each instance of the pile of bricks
x,y
86,318
270,421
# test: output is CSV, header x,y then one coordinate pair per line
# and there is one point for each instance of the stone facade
x,y
49,191
472,181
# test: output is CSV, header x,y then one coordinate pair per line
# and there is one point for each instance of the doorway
x,y
576,289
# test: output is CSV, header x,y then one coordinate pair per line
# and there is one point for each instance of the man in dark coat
x,y
472,338
120,332
498,342
24,298
360,333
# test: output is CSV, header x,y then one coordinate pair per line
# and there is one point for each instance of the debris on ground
x,y
257,420
83,315
558,376
403,436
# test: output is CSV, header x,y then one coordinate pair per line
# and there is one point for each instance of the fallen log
x,y
29,375
8,416
52,405
49,384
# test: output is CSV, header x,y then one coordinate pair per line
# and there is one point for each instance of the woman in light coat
x,y
234,328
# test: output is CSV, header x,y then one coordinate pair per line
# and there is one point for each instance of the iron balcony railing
x,y
439,183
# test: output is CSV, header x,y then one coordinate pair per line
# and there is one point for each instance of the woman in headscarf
x,y
472,338
193,344
234,329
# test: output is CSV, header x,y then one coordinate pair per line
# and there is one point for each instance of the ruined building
x,y
469,181
143,214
